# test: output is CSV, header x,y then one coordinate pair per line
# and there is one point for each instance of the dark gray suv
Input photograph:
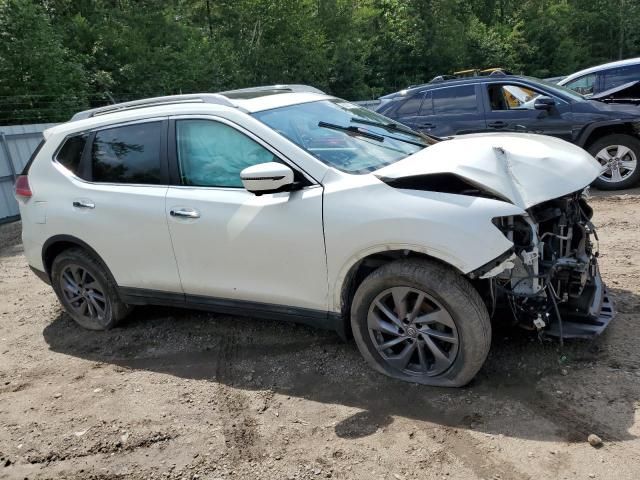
x,y
500,103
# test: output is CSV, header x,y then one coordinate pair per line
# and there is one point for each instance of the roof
x,y
447,82
598,68
242,98
247,100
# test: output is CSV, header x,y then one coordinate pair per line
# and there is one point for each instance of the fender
x,y
584,136
336,289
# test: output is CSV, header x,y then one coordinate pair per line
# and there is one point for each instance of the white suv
x,y
285,202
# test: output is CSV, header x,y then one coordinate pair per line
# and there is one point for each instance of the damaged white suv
x,y
285,202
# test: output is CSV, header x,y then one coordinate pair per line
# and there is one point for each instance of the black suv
x,y
499,102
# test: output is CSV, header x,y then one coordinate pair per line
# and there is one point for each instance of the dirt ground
x,y
185,395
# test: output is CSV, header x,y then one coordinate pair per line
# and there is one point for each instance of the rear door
x,y
115,204
510,108
453,110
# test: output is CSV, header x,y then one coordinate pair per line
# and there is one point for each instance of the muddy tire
x,y
420,321
620,153
86,291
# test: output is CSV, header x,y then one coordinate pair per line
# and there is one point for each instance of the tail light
x,y
23,189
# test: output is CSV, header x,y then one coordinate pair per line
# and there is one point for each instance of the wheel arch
x,y
57,244
595,131
360,266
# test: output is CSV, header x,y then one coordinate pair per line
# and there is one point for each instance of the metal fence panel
x,y
17,143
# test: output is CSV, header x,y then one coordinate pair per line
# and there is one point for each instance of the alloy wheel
x,y
84,294
412,331
620,162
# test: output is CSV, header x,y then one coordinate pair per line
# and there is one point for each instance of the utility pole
x,y
209,19
621,25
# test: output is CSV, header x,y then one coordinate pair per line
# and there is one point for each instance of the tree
x,y
40,79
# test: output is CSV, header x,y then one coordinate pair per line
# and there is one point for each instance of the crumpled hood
x,y
526,169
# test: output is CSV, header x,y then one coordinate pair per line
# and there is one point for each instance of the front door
x,y
233,247
510,108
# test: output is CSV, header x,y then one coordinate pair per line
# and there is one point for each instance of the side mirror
x,y
270,177
543,103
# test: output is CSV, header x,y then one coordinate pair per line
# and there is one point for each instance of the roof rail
x,y
472,72
214,98
443,78
270,89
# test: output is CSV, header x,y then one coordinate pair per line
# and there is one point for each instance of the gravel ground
x,y
185,395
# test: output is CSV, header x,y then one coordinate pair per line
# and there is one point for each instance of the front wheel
x,y
619,155
420,321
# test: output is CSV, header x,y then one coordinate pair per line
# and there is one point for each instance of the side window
x,y
620,76
410,107
511,97
427,105
71,152
455,100
127,154
583,85
212,154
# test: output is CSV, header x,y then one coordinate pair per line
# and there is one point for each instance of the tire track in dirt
x,y
240,427
463,446
571,425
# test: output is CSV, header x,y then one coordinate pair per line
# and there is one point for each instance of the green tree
x,y
40,79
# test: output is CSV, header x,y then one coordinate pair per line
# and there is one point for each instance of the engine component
x,y
555,277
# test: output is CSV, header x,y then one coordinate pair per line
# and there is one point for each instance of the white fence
x,y
17,143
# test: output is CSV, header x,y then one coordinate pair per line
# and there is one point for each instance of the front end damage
x,y
550,279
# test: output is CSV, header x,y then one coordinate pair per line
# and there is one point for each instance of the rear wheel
x,y
86,290
619,153
420,321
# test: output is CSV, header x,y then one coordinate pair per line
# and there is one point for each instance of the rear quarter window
x,y
411,106
70,153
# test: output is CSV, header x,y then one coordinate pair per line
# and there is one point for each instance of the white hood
x,y
524,168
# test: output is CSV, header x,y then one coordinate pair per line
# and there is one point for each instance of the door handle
x,y
427,125
185,213
498,124
83,204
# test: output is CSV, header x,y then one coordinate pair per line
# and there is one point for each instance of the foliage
x,y
57,56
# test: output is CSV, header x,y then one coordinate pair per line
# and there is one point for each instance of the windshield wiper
x,y
353,130
389,126
397,127
400,129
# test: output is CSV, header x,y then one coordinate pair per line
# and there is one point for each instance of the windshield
x,y
343,135
559,89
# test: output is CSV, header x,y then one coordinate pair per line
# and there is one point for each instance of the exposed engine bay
x,y
550,281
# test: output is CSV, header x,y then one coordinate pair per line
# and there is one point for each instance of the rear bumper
x,y
600,313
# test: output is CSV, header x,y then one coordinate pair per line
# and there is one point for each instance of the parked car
x,y
595,80
285,202
608,131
